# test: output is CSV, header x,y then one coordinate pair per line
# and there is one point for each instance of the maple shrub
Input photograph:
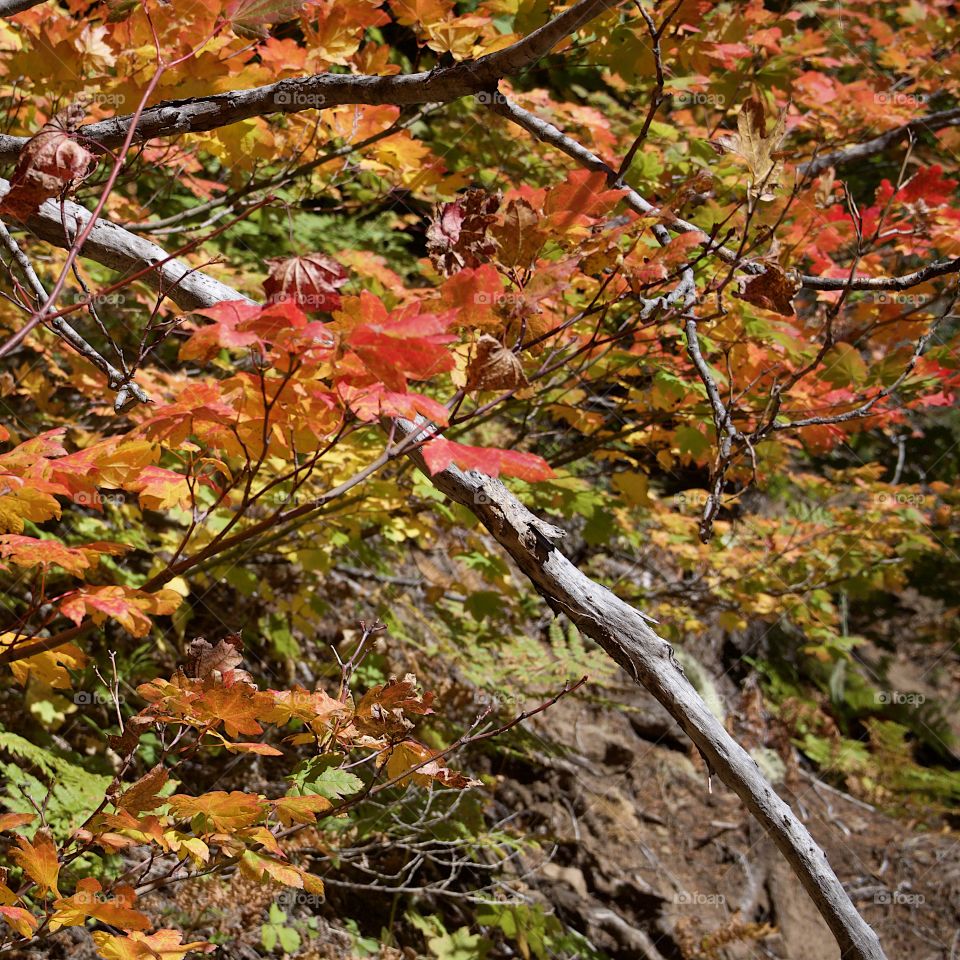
x,y
289,284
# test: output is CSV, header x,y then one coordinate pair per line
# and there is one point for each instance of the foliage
x,y
647,280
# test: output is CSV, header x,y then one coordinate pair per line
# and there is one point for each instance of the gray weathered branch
x,y
548,133
10,8
870,148
125,252
630,641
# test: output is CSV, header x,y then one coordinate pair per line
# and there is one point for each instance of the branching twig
x,y
128,390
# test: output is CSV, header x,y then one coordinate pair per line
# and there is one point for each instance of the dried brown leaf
x,y
772,290
758,149
494,367
519,236
458,235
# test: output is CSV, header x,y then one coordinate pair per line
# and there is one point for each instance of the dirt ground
x,y
651,863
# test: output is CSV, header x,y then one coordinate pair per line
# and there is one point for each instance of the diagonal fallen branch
x,y
626,637
612,623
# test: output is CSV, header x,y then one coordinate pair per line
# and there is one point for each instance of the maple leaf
x,y
10,821
89,902
50,666
39,861
250,18
160,489
409,753
21,920
457,236
261,749
406,344
756,148
583,194
19,503
162,945
258,867
308,706
474,294
199,402
143,795
520,235
209,703
227,317
224,812
439,454
311,281
31,551
372,402
381,709
219,662
291,810
773,290
131,608
50,162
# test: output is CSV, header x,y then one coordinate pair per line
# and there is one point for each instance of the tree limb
x,y
548,133
125,252
630,641
129,392
869,148
10,8
294,95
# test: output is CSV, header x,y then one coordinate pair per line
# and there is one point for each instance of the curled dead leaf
x,y
457,237
218,662
50,162
494,367
772,290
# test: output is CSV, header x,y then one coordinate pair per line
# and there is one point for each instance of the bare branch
x,y
630,641
939,268
10,8
324,90
128,391
870,148
123,251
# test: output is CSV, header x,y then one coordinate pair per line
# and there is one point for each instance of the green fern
x,y
69,792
